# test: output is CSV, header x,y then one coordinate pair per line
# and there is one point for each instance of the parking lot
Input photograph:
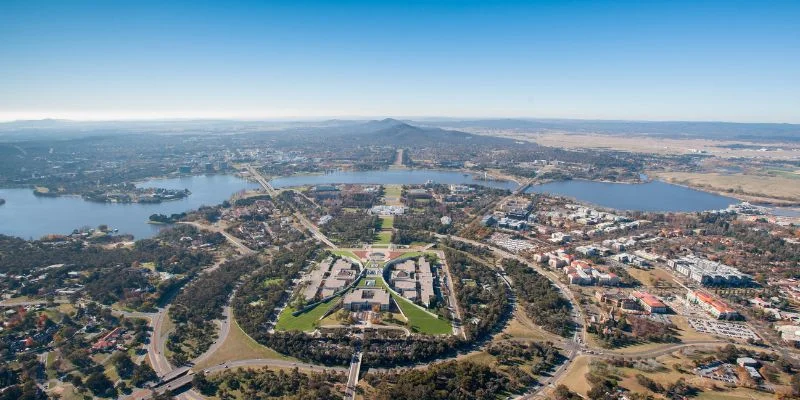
x,y
728,329
513,245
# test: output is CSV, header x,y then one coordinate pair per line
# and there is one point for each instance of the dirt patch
x,y
756,188
239,346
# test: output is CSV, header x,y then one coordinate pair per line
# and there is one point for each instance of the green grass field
x,y
384,238
387,222
305,321
392,190
414,254
421,321
344,253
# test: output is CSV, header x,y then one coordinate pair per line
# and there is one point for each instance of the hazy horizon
x,y
357,118
630,61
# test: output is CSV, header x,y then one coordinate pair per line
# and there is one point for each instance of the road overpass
x,y
352,375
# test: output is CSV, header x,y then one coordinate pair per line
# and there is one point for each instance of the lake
x,y
650,196
29,216
389,177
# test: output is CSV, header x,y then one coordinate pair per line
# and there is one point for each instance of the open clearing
x,y
686,332
650,276
239,346
655,145
574,379
384,238
344,253
743,186
518,329
305,321
391,194
387,222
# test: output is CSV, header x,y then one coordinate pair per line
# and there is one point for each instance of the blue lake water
x,y
650,196
29,216
389,177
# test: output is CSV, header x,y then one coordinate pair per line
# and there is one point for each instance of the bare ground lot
x,y
576,381
656,145
239,346
775,189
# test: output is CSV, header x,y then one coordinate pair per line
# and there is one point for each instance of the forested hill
x,y
386,132
392,132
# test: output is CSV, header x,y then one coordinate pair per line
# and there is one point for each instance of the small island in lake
x,y
136,195
2,201
164,219
120,193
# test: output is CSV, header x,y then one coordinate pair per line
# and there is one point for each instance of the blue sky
x,y
672,60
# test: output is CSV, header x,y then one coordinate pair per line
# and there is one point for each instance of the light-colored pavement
x,y
352,375
224,330
156,347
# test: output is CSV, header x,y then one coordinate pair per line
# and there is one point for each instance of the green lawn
x,y
414,254
392,190
421,321
384,237
306,320
344,253
387,222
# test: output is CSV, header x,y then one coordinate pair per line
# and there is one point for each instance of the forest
x,y
199,304
450,380
265,383
482,295
107,274
352,229
540,299
255,301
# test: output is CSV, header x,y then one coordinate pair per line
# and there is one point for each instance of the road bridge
x,y
302,218
352,376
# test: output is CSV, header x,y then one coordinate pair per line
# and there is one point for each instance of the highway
x,y
352,375
302,218
224,330
156,347
572,346
458,330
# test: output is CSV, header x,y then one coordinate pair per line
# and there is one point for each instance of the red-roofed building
x,y
715,307
108,342
649,302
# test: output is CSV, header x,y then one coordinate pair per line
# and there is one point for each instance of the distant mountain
x,y
675,129
393,132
